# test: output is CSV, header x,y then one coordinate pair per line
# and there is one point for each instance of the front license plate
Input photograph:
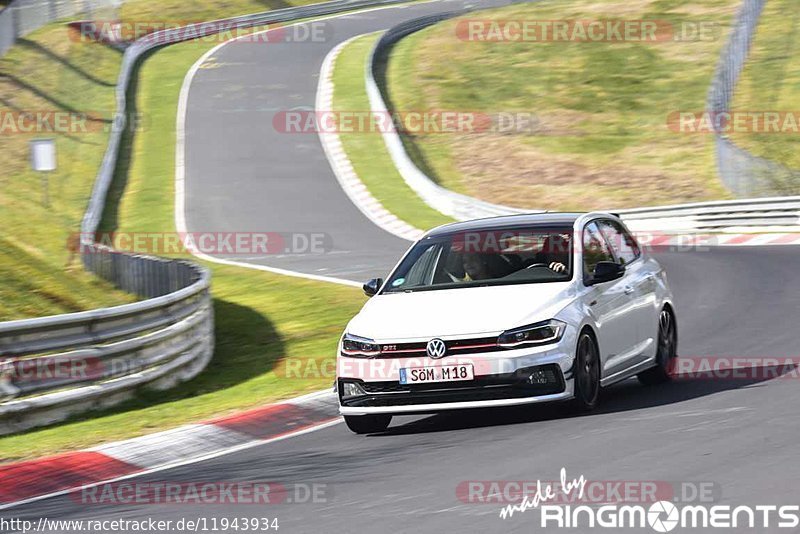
x,y
445,373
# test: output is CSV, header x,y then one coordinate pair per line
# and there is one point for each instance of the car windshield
x,y
522,255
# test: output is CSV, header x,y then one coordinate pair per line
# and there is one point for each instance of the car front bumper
x,y
499,381
435,407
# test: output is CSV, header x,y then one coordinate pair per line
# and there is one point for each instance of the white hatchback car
x,y
506,311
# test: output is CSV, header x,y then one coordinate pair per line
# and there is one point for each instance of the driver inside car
x,y
554,253
475,268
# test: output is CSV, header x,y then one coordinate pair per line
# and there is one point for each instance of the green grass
x,y
602,139
771,82
47,72
198,10
367,151
51,70
262,319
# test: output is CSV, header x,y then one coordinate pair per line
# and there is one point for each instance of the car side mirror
x,y
372,286
605,271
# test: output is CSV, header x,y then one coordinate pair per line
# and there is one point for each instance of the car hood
x,y
458,312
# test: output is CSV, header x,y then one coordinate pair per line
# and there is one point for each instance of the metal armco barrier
x,y
54,367
448,202
763,214
760,214
743,173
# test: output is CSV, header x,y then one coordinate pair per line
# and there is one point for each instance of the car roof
x,y
509,221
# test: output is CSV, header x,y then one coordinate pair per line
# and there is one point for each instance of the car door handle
x,y
628,290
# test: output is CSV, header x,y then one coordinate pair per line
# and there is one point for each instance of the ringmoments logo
x,y
664,516
660,516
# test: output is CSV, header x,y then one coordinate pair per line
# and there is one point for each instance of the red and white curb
x,y
758,239
33,480
358,193
654,240
343,168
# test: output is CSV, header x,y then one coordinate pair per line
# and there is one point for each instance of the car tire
x,y
586,374
367,424
666,351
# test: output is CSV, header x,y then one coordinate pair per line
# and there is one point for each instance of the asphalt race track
x,y
243,175
738,435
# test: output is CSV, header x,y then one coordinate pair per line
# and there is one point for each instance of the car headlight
x,y
359,347
542,333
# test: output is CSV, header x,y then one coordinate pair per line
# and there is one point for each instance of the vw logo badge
x,y
436,348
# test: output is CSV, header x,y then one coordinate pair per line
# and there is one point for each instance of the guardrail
x,y
57,366
66,364
448,202
764,214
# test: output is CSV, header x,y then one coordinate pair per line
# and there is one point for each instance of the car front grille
x,y
494,387
384,387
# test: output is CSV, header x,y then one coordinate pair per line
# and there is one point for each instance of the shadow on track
x,y
625,396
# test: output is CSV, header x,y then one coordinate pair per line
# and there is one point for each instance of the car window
x,y
516,255
421,270
595,249
625,247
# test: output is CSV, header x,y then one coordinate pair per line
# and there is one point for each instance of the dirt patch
x,y
503,170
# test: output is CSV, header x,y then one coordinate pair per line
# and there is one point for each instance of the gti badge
x,y
436,348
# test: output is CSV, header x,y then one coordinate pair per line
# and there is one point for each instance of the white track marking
x,y
341,165
153,450
180,155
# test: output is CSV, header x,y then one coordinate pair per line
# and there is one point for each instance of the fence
x,y
743,173
21,17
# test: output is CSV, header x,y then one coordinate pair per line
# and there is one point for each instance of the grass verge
x,y
263,320
186,11
52,71
600,139
366,150
48,75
